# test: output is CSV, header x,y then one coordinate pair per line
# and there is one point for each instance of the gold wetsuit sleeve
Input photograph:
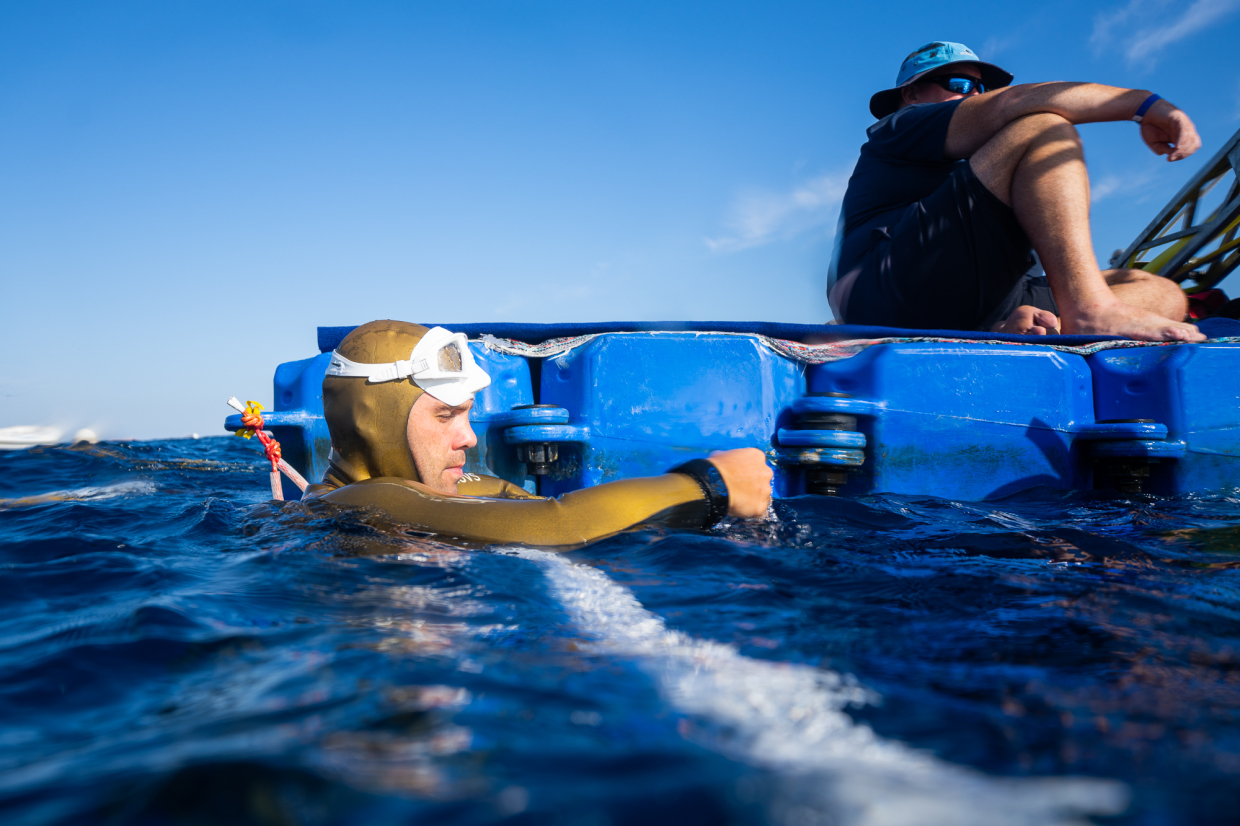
x,y
574,519
472,484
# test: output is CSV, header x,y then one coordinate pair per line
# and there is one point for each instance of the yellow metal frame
x,y
1174,244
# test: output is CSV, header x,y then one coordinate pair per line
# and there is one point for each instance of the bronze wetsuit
x,y
372,465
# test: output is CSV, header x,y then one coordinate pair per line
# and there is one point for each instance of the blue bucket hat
x,y
929,57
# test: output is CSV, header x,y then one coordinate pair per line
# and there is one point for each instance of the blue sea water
x,y
174,649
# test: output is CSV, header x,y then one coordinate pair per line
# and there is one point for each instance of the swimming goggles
x,y
959,84
441,364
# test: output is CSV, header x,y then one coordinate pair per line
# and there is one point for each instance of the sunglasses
x,y
959,84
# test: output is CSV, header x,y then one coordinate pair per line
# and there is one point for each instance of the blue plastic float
x,y
839,409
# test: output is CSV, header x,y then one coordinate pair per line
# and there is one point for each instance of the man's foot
x,y
1120,319
1030,321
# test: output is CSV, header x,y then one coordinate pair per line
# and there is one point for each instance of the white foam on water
x,y
789,718
110,491
83,494
92,493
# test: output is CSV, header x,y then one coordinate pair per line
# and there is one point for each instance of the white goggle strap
x,y
374,373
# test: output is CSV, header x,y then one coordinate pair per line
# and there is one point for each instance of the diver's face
x,y
439,434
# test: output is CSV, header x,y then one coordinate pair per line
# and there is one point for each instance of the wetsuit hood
x,y
368,422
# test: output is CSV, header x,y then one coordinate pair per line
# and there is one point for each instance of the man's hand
x,y
748,478
1168,131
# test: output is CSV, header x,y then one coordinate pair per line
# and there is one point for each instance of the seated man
x,y
962,175
397,397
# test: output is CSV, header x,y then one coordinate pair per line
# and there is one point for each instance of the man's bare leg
x,y
1149,291
1036,165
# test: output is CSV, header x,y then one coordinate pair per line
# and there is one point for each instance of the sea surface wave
x,y
174,649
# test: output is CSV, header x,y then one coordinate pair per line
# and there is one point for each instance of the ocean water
x,y
174,649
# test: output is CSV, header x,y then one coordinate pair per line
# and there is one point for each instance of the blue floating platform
x,y
839,409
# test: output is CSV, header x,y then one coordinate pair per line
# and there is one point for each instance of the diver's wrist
x,y
710,480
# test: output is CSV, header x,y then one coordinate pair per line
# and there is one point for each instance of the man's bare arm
x,y
1165,129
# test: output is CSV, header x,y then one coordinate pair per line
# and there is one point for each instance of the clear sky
x,y
187,190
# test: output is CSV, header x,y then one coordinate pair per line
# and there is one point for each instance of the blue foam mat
x,y
330,337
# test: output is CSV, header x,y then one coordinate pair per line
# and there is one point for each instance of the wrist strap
x,y
711,482
1145,107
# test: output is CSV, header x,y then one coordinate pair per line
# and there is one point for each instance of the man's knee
x,y
1023,134
1031,127
1144,278
996,161
1149,290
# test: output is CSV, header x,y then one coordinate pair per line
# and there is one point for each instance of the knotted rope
x,y
252,421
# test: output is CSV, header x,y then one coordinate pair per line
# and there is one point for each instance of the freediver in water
x,y
397,398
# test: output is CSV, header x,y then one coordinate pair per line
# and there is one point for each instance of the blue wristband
x,y
1145,107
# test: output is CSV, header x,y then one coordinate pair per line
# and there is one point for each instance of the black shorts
x,y
956,260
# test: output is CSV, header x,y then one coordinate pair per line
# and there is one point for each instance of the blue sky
x,y
187,190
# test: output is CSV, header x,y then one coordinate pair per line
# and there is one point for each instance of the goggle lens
x,y
450,358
